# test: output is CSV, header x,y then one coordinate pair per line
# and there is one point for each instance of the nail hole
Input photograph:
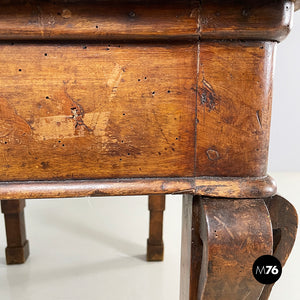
x,y
97,26
139,79
84,47
20,70
153,93
169,92
124,114
46,54
47,97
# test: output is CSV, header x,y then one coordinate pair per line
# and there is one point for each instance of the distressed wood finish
x,y
140,97
140,20
284,223
102,20
129,118
17,250
254,20
234,108
205,186
96,111
155,244
234,234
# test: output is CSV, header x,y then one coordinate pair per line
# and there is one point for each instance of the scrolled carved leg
x,y
284,222
221,239
155,245
17,250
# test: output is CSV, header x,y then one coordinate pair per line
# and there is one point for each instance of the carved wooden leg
x,y
284,222
155,245
221,239
17,249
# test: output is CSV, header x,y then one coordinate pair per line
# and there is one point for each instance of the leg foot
x,y
221,239
17,250
155,245
284,222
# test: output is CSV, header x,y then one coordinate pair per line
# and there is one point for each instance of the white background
x,y
285,130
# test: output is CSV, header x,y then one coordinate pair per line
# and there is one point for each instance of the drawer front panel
x,y
96,111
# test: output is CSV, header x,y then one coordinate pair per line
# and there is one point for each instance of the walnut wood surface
x,y
94,20
96,111
155,244
284,223
179,101
267,19
123,111
207,186
136,20
234,108
17,250
221,240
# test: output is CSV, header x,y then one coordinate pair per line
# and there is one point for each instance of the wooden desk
x,y
118,98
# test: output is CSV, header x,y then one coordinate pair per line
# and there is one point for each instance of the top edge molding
x,y
145,20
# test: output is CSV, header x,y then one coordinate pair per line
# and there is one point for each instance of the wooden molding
x,y
260,20
232,187
136,20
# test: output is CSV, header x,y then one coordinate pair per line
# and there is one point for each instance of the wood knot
x,y
212,154
66,14
208,96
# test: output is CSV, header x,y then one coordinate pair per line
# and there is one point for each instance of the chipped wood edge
x,y
229,187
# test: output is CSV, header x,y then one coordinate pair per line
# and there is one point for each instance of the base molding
x,y
230,187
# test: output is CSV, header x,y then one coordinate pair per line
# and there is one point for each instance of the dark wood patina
x,y
149,98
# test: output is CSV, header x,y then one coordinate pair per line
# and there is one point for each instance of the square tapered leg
x,y
17,250
155,245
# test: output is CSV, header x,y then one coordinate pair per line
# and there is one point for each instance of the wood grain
x,y
226,236
251,19
90,111
155,244
115,111
206,186
17,250
98,20
234,108
284,223
145,20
